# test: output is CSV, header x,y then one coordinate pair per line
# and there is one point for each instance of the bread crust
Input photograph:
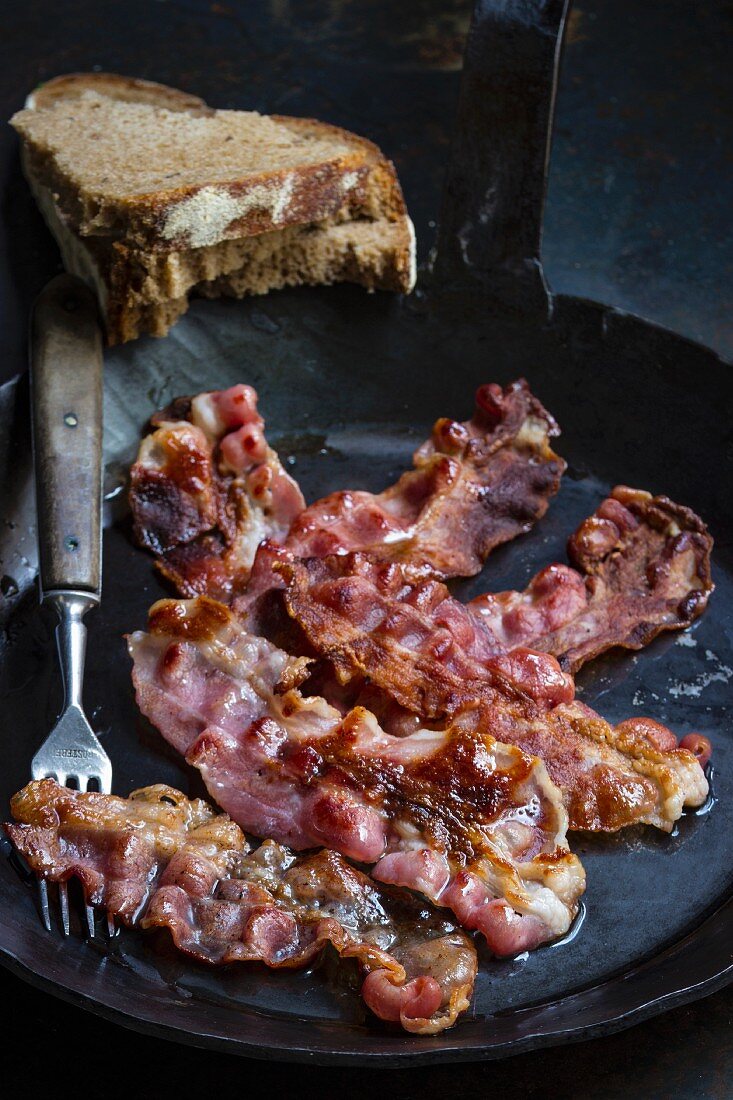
x,y
125,88
138,296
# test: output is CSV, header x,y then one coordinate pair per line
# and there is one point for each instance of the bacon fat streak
x,y
207,488
158,860
642,566
438,734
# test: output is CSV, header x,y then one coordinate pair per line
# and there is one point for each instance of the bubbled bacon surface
x,y
449,808
158,860
473,824
432,656
207,489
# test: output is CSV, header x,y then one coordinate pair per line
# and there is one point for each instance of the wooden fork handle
x,y
66,397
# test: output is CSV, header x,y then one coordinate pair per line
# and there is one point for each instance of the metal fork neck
x,y
71,639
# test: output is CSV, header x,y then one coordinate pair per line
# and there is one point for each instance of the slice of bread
x,y
153,195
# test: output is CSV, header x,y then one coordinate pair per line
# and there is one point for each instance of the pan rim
x,y
449,1048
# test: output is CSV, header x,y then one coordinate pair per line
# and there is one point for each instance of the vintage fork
x,y
66,397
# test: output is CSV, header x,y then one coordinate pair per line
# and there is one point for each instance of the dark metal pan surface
x,y
349,383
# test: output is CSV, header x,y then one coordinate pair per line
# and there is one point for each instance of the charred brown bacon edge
x,y
475,485
473,824
158,860
645,571
206,489
452,811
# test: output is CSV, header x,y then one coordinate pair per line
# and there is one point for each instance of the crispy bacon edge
x,y
642,566
475,485
159,860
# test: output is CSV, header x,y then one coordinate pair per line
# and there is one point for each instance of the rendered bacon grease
x,y
206,489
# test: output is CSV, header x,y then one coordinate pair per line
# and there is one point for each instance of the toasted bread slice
x,y
140,161
289,220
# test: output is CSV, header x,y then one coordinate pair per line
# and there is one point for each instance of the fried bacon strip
x,y
158,860
642,566
434,658
207,489
473,824
475,485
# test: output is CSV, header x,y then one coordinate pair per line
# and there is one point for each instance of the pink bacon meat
x,y
159,860
646,571
471,823
207,489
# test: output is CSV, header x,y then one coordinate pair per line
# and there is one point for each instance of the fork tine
x,y
64,904
89,911
43,903
112,929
